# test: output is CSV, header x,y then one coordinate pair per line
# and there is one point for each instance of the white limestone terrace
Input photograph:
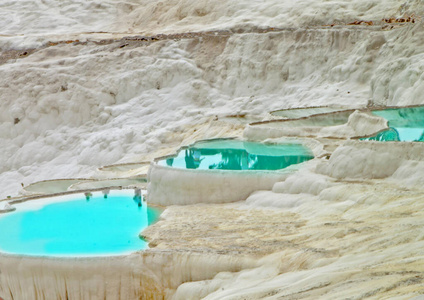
x,y
181,186
80,89
297,113
29,23
339,124
150,96
127,113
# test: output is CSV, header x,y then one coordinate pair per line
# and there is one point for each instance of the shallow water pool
x,y
77,226
238,155
405,124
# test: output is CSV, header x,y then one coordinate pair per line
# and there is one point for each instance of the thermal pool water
x,y
238,155
77,225
406,124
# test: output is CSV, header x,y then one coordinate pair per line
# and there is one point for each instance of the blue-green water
x,y
238,155
99,226
405,124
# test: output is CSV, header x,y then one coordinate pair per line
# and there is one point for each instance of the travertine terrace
x,y
107,83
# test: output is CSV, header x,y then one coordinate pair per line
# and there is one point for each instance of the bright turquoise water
x,y
99,226
406,124
238,155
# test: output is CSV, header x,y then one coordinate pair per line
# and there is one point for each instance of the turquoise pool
x,y
77,225
405,124
238,155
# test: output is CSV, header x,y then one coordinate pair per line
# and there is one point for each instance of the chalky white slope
x,y
83,106
68,108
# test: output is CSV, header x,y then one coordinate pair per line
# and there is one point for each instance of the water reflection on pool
x,y
238,155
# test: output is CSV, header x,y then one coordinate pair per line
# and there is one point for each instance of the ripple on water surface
x,y
238,155
75,226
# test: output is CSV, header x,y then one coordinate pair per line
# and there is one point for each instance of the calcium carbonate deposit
x,y
92,91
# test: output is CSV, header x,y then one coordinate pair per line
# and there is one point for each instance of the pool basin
x,y
95,224
406,124
221,171
237,155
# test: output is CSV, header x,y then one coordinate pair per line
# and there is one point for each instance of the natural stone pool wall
x,y
370,159
301,112
144,275
170,186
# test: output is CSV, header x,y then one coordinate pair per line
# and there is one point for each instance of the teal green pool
x,y
405,124
238,155
77,225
